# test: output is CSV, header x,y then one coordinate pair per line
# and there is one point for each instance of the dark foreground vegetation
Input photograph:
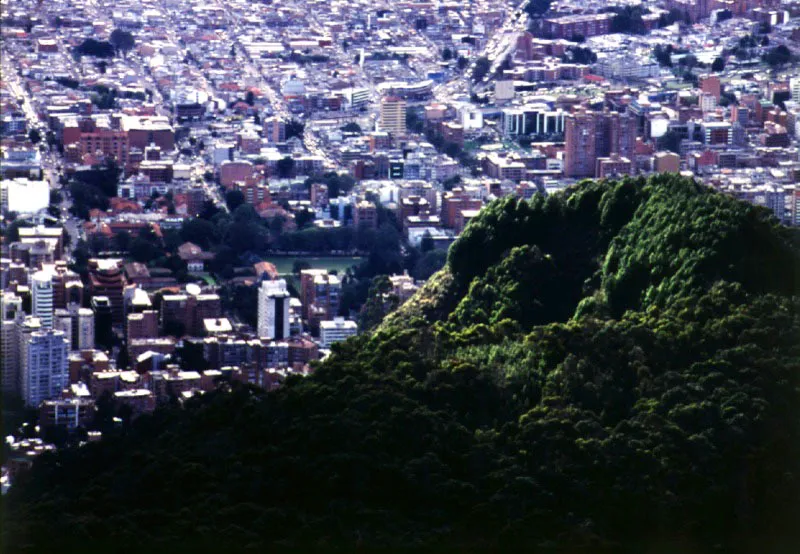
x,y
615,366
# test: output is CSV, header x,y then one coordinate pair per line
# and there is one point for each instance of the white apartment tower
x,y
42,297
44,368
273,310
83,326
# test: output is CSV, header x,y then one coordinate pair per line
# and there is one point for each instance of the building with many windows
x,y
273,310
393,115
10,317
591,135
42,297
336,330
44,363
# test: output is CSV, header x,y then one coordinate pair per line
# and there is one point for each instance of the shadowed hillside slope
x,y
617,365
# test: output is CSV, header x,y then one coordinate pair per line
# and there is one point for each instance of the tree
x,y
582,55
122,241
285,167
199,231
379,302
96,48
451,182
352,127
294,128
671,140
337,183
303,218
234,198
727,98
250,98
718,65
778,56
674,15
143,250
447,54
122,40
105,98
429,263
34,136
462,63
537,8
426,244
300,265
663,55
690,61
482,66
414,122
667,378
628,19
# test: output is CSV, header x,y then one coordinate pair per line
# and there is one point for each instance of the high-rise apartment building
x,y
365,214
273,310
10,317
591,135
393,115
83,327
103,321
107,279
42,297
44,369
188,310
62,321
320,295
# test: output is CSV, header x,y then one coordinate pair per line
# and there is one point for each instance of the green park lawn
x,y
339,263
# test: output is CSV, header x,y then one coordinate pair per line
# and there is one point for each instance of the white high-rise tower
x,y
42,297
273,310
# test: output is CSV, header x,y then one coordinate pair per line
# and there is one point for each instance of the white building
x,y
44,372
223,151
626,66
503,90
42,297
273,310
335,330
24,196
794,88
85,329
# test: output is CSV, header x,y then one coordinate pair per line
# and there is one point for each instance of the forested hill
x,y
618,365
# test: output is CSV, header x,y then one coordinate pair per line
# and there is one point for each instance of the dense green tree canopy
x,y
122,40
616,365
